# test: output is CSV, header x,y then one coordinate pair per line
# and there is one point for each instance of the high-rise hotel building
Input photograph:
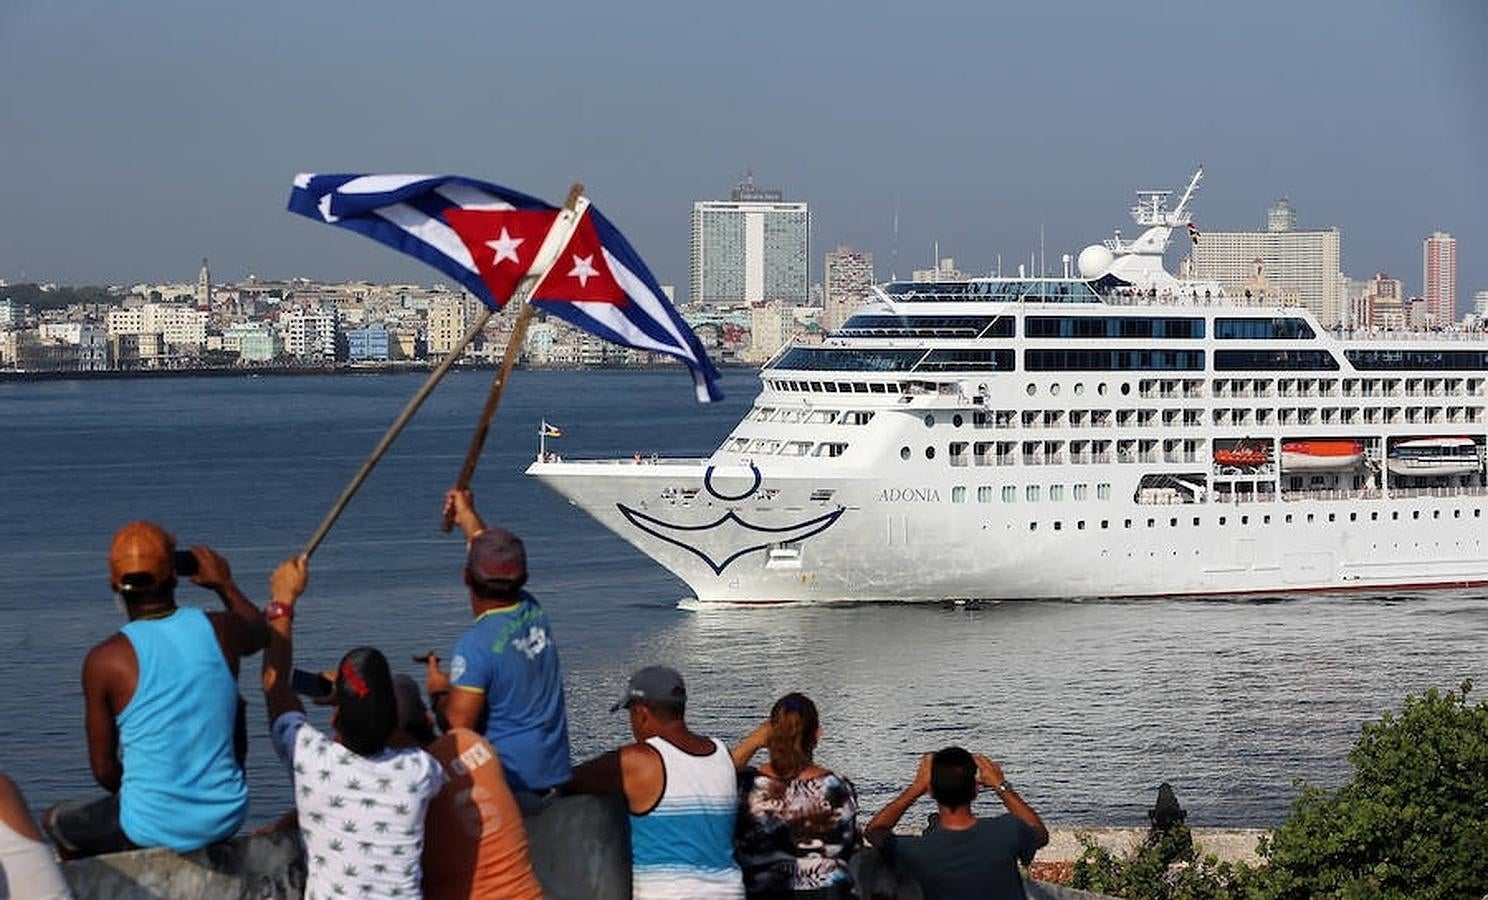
x,y
1304,263
752,247
1439,277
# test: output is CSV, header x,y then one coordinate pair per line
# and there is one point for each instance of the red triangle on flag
x,y
502,242
581,272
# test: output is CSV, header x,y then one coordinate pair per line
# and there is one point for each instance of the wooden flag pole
x,y
509,358
438,374
393,431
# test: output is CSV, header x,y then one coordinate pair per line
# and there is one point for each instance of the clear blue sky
x,y
136,138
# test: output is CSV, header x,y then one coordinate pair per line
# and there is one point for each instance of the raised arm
x,y
989,774
249,631
459,505
753,743
285,587
882,824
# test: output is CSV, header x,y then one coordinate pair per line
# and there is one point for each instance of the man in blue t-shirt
x,y
963,857
504,679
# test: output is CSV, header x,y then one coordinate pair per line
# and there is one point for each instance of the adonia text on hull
x,y
1119,432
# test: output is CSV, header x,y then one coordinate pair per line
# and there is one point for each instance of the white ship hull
x,y
905,542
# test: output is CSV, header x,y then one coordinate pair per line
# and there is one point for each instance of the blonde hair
x,y
793,727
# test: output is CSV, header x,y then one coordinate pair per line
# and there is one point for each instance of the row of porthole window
x,y
1032,388
1265,519
1009,493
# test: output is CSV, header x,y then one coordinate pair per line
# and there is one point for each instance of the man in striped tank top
x,y
682,792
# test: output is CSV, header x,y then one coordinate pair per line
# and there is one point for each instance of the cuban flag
x,y
486,237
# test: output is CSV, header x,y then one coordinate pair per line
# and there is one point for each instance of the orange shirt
x,y
474,842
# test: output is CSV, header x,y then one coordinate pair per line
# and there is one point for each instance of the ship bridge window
x,y
864,325
1112,360
1258,329
967,359
1417,359
831,449
1113,327
849,360
1268,360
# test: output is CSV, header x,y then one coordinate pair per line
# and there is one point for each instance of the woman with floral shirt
x,y
798,822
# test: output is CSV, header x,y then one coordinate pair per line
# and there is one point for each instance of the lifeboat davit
x,y
1321,456
1243,456
1434,456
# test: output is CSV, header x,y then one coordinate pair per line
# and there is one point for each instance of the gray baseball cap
x,y
654,684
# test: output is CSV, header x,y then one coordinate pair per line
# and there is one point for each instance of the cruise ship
x,y
1115,432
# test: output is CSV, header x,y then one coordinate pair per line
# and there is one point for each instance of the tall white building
x,y
752,247
1439,277
1480,305
848,279
1302,262
309,333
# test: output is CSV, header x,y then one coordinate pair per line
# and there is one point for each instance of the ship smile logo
x,y
723,540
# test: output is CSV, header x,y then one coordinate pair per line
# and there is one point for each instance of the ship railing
x,y
1363,334
1007,459
1457,491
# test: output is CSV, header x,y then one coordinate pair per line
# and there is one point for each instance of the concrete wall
x,y
580,850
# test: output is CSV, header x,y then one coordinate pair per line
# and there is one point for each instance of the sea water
x,y
1088,705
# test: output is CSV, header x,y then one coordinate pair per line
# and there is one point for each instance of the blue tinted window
x,y
1113,327
1262,329
950,360
1112,360
1274,360
864,325
854,360
1418,359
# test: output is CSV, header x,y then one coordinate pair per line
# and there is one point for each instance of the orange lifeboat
x,y
1243,456
1321,456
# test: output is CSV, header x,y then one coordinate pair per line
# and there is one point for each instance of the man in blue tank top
x,y
682,791
162,713
504,679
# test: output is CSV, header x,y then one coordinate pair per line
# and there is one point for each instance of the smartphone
x,y
310,684
186,564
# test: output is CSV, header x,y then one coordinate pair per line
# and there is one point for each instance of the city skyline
x,y
172,136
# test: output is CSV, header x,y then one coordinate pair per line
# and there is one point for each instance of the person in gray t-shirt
x,y
964,857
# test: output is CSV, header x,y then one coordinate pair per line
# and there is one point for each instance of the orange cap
x,y
142,548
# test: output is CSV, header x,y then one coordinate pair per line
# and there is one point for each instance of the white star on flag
x,y
505,247
583,269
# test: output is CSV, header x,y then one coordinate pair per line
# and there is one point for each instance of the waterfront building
x,y
752,247
90,341
309,334
1439,277
179,327
1480,305
253,342
370,343
446,324
1303,262
847,282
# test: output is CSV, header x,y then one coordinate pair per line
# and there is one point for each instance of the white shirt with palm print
x,y
361,818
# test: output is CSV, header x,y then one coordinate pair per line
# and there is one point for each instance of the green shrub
x,y
1412,822
1165,867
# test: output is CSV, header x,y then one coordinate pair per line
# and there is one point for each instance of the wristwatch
x,y
1004,787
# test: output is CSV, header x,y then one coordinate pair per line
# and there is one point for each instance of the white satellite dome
x,y
1095,261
